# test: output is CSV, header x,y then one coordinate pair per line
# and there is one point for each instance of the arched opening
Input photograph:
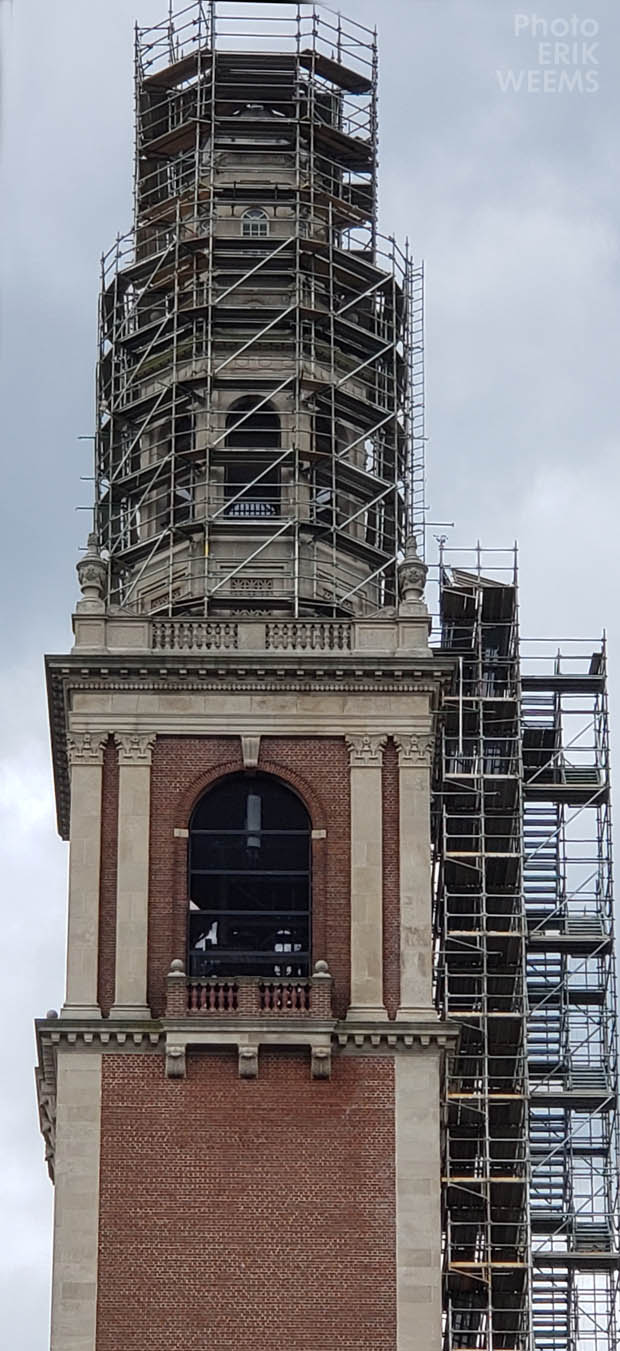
x,y
255,223
252,481
249,880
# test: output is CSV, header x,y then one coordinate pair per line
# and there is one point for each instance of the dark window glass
x,y
252,428
249,881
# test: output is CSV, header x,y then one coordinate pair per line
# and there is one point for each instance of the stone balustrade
x,y
297,636
193,635
132,634
248,996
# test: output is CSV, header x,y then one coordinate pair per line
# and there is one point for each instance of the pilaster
x,y
366,754
418,1201
85,754
415,752
134,801
76,1201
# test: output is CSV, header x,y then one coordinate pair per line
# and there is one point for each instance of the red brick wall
x,y
243,1215
319,770
107,900
183,767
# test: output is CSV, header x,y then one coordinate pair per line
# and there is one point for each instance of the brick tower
x,y
241,1095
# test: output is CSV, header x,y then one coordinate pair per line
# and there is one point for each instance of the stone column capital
x,y
366,751
415,749
86,748
135,749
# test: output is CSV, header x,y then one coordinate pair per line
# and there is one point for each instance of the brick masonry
x,y
242,1196
183,768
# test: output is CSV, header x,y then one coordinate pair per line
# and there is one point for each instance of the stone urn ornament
x,y
92,571
412,575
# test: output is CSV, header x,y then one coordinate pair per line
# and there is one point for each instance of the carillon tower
x,y
240,1096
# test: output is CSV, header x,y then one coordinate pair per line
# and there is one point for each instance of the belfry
x,y
316,1081
247,1062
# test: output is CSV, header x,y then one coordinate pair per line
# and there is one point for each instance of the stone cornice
x,y
172,1037
109,1034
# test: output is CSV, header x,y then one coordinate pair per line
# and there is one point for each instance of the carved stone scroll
x,y
134,749
415,749
366,751
86,748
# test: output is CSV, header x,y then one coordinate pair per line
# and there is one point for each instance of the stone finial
x,y
321,990
176,990
92,573
412,573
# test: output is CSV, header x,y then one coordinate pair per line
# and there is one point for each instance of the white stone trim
x,y
415,749
418,1214
86,748
132,898
135,748
76,1202
415,752
309,713
250,751
366,753
86,753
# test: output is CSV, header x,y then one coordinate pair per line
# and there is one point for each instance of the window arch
x,y
249,880
255,223
252,481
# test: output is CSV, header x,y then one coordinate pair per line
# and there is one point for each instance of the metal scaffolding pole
x,y
254,284
525,962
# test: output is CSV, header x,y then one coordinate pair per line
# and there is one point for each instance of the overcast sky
x,y
511,196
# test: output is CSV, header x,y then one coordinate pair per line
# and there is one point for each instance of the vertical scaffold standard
x,y
525,965
260,441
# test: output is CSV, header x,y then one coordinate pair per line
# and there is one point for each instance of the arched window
x,y
252,481
255,223
249,880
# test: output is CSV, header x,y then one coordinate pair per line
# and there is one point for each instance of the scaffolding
x,y
260,439
523,918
